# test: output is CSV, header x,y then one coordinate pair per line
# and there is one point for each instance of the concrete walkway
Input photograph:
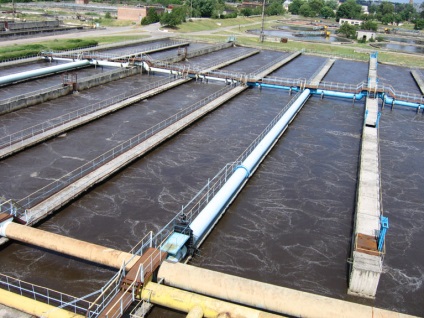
x,y
367,259
7,312
322,72
417,75
85,119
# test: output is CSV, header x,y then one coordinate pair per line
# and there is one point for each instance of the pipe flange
x,y
243,167
3,226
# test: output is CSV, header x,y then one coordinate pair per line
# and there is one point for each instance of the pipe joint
x,y
3,227
245,168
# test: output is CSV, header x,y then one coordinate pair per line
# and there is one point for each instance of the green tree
x,y
327,12
316,6
247,12
295,6
349,10
406,11
306,10
387,18
386,8
274,8
174,18
333,4
218,9
398,18
151,17
204,7
419,24
369,25
347,30
373,8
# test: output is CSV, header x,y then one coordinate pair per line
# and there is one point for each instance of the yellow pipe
x,y
184,301
195,312
33,307
264,296
69,246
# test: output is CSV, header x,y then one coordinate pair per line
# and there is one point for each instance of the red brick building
x,y
136,13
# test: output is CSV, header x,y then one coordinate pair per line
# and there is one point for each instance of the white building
x,y
350,21
365,35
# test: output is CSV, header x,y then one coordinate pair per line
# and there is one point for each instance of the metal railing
x,y
55,186
195,68
55,87
344,87
404,96
351,88
46,295
226,74
16,59
106,295
284,81
172,56
8,141
108,56
115,285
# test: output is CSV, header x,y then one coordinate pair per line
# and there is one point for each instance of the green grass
x,y
350,51
213,24
25,50
113,22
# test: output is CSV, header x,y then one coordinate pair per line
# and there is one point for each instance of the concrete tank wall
x,y
10,105
14,26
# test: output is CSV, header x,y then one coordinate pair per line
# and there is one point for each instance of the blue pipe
x,y
357,96
389,100
338,94
293,88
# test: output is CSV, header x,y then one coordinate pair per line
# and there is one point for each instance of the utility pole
x,y
262,36
13,8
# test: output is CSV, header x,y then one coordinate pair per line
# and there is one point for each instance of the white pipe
x,y
161,70
108,63
203,221
145,66
8,79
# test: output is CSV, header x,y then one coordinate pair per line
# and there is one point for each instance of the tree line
x,y
216,9
386,12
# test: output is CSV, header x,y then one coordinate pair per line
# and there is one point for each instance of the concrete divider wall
x,y
106,78
32,25
207,50
10,105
